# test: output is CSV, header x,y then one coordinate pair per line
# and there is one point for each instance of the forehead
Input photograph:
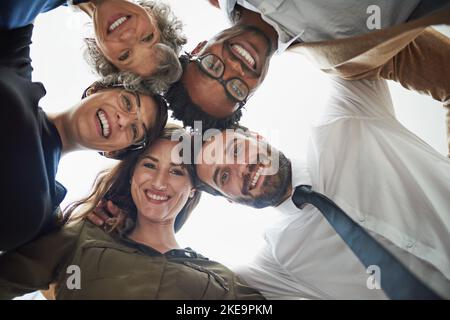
x,y
164,151
215,151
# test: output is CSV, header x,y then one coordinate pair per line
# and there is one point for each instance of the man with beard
x,y
371,166
221,74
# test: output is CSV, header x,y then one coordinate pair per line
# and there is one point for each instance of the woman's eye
x,y
148,38
127,103
135,132
224,177
149,165
124,56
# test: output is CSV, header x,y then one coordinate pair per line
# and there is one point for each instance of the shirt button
x,y
361,219
410,244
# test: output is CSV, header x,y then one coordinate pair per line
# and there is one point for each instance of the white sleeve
x,y
265,274
358,98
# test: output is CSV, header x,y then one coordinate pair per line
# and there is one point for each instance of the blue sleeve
x,y
19,13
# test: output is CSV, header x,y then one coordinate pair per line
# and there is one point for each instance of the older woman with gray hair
x,y
137,41
146,59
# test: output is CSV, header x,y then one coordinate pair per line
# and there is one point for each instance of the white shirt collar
x,y
300,176
227,6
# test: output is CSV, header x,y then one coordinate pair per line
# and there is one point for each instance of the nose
x,y
160,180
240,170
124,120
236,66
128,35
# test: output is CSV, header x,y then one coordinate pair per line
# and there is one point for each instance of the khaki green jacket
x,y
112,267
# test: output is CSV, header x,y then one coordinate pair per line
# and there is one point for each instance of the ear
x,y
192,193
199,48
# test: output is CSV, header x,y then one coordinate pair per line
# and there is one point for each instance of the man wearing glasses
x,y
404,51
221,74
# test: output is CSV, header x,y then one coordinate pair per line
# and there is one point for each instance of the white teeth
x,y
244,53
117,23
156,197
105,126
256,177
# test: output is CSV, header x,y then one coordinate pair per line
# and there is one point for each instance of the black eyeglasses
x,y
214,67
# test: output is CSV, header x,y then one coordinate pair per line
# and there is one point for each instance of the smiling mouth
x,y
244,55
156,198
253,178
105,127
256,175
117,23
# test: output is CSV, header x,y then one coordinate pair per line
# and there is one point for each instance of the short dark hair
x,y
185,110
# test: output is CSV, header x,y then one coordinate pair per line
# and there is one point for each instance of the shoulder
x,y
357,99
17,91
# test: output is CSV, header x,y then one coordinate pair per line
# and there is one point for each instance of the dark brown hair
x,y
114,184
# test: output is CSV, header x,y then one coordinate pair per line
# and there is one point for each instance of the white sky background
x,y
282,109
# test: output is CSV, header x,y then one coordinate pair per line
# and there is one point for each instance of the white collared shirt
x,y
320,20
385,178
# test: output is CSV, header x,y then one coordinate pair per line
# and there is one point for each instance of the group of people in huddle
x,y
386,182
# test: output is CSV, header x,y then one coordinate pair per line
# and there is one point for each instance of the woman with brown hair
x,y
139,258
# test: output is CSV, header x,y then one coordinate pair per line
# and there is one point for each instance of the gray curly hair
x,y
169,69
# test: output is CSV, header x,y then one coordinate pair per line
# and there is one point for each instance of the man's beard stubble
x,y
274,188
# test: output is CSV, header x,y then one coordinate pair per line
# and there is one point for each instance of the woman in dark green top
x,y
140,258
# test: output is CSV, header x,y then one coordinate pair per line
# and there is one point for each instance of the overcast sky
x,y
283,109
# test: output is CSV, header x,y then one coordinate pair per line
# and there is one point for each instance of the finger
x,y
100,204
112,208
95,220
103,215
